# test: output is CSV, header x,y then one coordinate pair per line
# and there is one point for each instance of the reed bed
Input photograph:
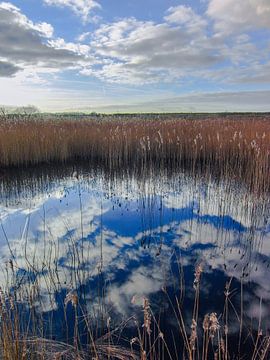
x,y
235,146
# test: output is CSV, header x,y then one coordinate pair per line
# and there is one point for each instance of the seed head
x,y
73,298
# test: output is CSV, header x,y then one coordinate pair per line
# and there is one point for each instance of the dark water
x,y
116,240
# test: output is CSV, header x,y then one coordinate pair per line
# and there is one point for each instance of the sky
x,y
137,56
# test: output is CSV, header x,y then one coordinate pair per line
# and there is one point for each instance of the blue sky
x,y
140,55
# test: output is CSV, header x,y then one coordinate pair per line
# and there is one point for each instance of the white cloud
x,y
82,8
82,37
27,45
238,16
148,52
31,55
185,16
80,49
183,48
180,14
43,29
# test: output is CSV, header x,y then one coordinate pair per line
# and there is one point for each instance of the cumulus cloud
x,y
145,51
238,16
26,44
183,46
77,48
13,14
82,8
185,16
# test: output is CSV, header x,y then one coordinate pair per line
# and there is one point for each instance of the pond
x,y
156,265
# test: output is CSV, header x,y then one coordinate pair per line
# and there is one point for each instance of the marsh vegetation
x,y
135,238
232,145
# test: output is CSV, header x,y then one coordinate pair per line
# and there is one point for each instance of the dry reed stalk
x,y
233,146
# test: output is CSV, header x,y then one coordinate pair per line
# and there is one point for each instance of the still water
x,y
117,240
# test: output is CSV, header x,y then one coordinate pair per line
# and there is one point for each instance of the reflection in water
x,y
119,241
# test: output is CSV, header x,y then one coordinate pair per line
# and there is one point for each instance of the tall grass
x,y
234,145
208,336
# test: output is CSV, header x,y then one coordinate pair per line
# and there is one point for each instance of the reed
x,y
206,337
235,146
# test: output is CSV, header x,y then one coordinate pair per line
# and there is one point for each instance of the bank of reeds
x,y
234,145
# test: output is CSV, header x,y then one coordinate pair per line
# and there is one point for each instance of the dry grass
x,y
234,145
201,339
20,343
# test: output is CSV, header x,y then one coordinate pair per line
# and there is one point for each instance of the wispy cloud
x,y
82,8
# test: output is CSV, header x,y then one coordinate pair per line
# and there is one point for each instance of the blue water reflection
x,y
130,239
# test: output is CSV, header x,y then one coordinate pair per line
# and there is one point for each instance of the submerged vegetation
x,y
233,145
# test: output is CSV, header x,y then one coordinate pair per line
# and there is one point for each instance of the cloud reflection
x,y
82,230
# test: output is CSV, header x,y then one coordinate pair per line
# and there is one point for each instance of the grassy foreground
x,y
215,337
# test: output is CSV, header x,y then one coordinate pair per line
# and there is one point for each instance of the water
x,y
117,240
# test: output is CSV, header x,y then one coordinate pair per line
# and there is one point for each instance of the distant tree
x,y
27,110
3,112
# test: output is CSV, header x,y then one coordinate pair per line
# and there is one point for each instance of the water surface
x,y
117,240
